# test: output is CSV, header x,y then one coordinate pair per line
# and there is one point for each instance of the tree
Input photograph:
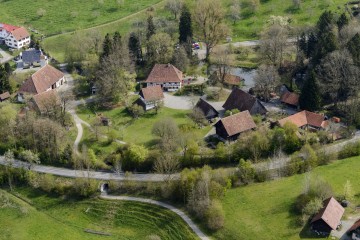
x,y
185,26
30,157
209,17
254,5
9,161
4,79
180,59
167,131
41,12
174,6
342,21
310,98
135,155
7,124
348,192
151,30
166,163
273,43
198,117
354,48
199,196
107,46
222,61
338,76
266,80
135,48
246,171
160,48
215,216
309,157
235,11
292,142
313,207
136,111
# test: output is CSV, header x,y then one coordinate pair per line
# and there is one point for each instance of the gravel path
x,y
5,56
179,102
180,213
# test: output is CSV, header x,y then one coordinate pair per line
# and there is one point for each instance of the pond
x,y
246,73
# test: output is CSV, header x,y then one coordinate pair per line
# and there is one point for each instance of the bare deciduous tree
x,y
273,44
174,6
209,17
235,11
266,80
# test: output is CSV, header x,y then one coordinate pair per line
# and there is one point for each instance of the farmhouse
x,y
45,79
4,96
230,128
13,36
208,110
329,217
243,101
306,120
354,231
150,97
45,102
167,76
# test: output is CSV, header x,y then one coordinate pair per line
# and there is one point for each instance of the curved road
x,y
180,213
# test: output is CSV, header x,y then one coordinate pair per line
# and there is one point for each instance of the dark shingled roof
x,y
237,123
162,73
355,226
152,93
241,100
331,213
205,107
31,56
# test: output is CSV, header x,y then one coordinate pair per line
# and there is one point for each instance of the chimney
x,y
168,65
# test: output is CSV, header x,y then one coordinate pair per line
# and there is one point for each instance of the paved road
x,y
5,56
180,213
65,172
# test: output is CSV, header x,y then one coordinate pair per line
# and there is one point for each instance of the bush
x,y
350,150
215,216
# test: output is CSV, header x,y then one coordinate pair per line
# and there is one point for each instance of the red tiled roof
x,y
152,93
355,226
303,118
20,33
232,79
331,213
4,96
290,98
162,73
8,27
41,80
238,123
46,100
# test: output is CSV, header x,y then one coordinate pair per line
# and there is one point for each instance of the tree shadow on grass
x,y
306,233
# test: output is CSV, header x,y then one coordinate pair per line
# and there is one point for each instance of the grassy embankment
x,y
50,217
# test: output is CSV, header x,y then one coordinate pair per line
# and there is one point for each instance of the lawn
x,y
263,210
67,15
138,131
55,218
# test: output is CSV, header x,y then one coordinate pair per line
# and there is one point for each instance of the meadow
x,y
265,210
50,217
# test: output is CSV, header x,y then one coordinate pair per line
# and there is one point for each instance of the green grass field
x,y
54,218
138,131
67,15
263,210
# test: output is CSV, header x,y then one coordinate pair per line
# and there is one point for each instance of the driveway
x,y
5,56
346,225
180,102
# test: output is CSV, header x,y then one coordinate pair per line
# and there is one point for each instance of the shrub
x,y
350,150
215,216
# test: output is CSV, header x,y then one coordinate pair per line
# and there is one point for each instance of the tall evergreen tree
x,y
342,21
185,26
151,29
310,98
4,80
354,48
135,47
311,45
326,22
107,46
117,40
